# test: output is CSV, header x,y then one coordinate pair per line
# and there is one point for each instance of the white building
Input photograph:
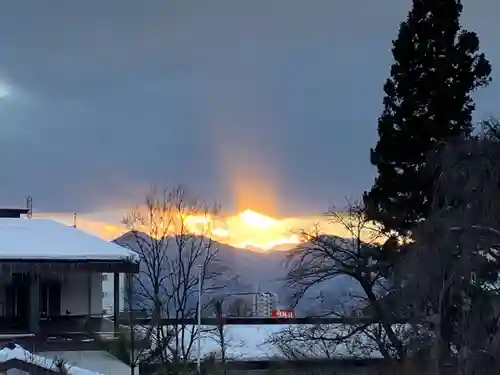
x,y
108,288
263,304
51,285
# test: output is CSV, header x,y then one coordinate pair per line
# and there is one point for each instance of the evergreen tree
x,y
427,103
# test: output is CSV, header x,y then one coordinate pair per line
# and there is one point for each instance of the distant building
x,y
108,288
263,304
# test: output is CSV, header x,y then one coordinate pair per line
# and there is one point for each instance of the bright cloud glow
x,y
4,91
247,229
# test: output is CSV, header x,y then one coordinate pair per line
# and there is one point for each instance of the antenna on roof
x,y
29,206
74,220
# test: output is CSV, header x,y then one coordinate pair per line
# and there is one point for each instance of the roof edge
x,y
90,265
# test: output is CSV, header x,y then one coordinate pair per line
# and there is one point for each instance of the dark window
x,y
50,298
17,293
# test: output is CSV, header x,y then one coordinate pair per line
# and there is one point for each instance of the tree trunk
x,y
386,324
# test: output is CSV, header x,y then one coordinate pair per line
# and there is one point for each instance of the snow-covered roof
x,y
16,352
94,360
44,239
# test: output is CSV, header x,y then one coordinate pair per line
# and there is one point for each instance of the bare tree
x,y
216,363
452,269
220,332
327,344
320,341
172,235
240,307
134,344
363,257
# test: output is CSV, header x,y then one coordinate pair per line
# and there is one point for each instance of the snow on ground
x,y
258,342
95,360
45,239
16,352
242,342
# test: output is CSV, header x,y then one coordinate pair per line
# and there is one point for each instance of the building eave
x,y
87,265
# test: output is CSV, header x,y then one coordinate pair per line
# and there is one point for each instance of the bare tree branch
x,y
175,259
362,256
451,270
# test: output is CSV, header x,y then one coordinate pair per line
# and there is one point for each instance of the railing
x,y
259,321
63,333
298,366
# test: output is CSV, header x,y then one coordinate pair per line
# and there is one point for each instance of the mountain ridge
x,y
257,271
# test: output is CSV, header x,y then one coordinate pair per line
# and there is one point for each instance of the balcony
x,y
61,333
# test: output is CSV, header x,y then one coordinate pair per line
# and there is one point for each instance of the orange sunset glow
x,y
246,229
253,226
252,229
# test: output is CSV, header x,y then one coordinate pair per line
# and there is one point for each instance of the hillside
x,y
258,271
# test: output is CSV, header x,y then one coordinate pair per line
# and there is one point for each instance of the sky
x,y
265,104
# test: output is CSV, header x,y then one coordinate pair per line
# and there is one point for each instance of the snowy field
x,y
276,341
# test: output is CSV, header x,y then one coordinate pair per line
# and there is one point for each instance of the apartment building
x,y
264,303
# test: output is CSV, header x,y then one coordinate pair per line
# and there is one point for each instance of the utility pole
x,y
198,349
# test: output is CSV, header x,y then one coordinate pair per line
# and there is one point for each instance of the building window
x,y
104,294
104,277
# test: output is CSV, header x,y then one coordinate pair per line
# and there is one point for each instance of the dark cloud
x,y
276,97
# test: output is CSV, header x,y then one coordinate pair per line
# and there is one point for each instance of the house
x,y
14,357
51,284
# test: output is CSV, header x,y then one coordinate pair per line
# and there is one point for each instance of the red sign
x,y
283,313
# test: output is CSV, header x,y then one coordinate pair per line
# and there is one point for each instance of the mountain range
x,y
248,271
